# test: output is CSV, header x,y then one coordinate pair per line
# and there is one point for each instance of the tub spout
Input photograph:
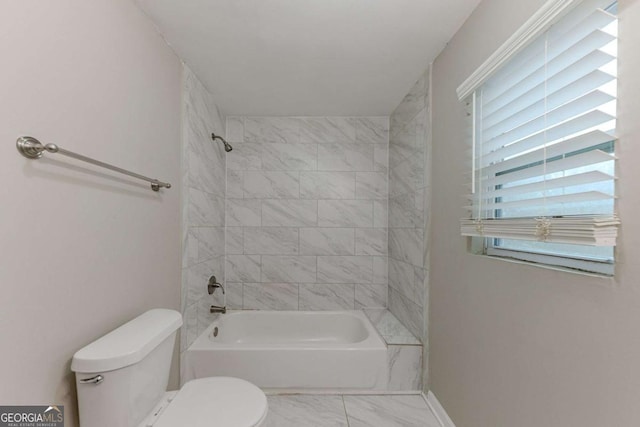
x,y
218,309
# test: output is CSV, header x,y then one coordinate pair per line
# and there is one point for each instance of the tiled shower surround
x,y
306,213
203,192
409,201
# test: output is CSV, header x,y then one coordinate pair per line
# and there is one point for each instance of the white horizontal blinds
x,y
544,127
588,230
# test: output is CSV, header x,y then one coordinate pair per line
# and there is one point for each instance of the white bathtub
x,y
291,349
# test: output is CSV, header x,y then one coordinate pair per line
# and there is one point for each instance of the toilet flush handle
x,y
93,380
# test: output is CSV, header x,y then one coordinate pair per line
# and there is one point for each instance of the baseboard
x,y
338,391
438,410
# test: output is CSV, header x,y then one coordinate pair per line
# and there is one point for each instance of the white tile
x,y
327,185
234,295
243,268
327,296
406,244
372,185
328,129
184,290
405,367
235,129
407,210
403,144
411,140
407,176
204,176
306,411
345,269
271,240
380,270
412,103
288,269
189,249
401,340
205,209
209,243
205,317
327,241
400,179
290,157
421,280
271,185
202,118
372,130
381,158
389,411
390,327
380,214
245,156
244,212
198,141
235,184
370,296
402,277
272,129
289,213
190,326
270,296
197,277
371,241
345,213
201,103
345,157
234,240
407,311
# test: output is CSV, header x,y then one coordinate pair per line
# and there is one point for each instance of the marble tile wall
x,y
404,351
203,206
405,367
306,213
409,196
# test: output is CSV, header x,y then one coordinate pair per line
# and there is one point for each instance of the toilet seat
x,y
216,401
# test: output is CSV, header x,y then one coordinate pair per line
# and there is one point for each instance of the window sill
x,y
609,279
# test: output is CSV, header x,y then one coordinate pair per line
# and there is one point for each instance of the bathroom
x,y
324,161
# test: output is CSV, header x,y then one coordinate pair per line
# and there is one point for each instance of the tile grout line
x,y
344,406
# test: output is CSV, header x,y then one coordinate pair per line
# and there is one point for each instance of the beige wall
x,y
515,345
82,250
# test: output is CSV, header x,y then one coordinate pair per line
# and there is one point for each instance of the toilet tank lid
x,y
128,344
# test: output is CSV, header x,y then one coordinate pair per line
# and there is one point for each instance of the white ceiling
x,y
308,57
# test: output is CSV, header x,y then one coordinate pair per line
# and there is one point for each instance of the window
x,y
542,134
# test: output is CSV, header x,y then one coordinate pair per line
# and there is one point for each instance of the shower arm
x,y
227,146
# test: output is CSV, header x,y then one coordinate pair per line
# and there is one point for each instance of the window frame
x,y
579,263
488,245
573,263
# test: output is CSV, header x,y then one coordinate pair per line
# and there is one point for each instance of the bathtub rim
x,y
374,341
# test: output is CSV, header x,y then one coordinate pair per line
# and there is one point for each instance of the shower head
x,y
227,146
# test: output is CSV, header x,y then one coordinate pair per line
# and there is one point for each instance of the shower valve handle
x,y
213,285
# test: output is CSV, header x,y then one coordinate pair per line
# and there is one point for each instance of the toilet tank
x,y
123,375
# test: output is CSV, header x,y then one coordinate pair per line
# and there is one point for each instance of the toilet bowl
x,y
122,380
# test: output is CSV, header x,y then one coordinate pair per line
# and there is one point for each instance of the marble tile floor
x,y
301,410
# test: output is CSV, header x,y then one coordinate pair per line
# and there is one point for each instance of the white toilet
x,y
122,381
